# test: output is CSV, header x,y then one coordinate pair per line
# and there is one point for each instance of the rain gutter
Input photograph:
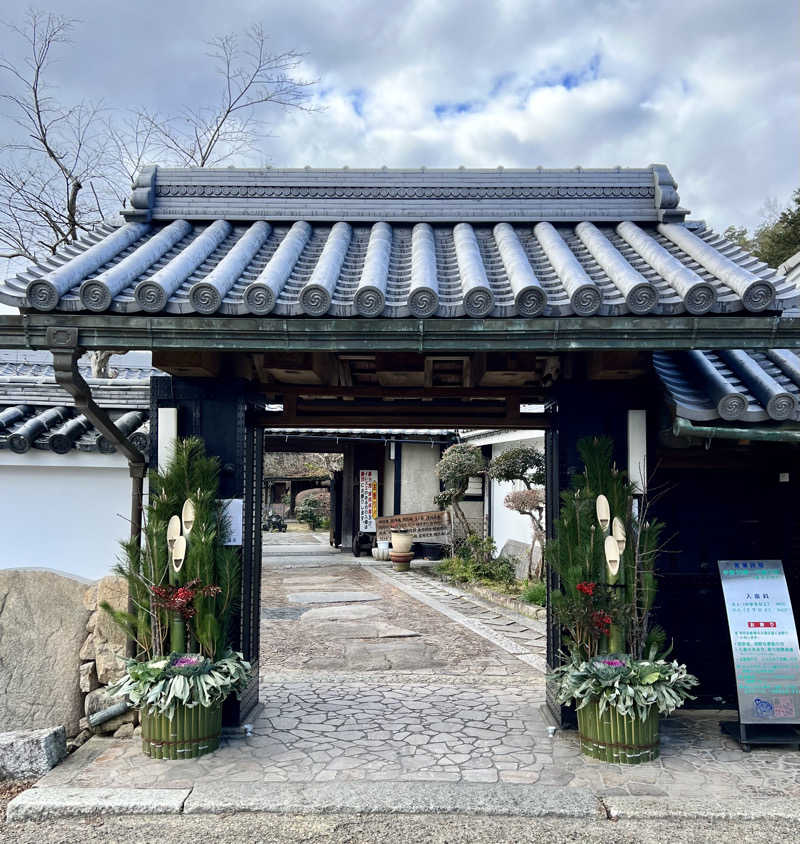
x,y
684,428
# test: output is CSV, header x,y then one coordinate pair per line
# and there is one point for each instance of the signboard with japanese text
x,y
764,641
368,500
430,525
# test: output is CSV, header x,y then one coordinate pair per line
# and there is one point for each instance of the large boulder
x,y
42,628
108,640
520,553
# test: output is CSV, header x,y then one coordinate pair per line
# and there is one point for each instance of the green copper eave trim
x,y
784,434
118,331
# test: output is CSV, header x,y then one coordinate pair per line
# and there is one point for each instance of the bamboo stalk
x,y
173,735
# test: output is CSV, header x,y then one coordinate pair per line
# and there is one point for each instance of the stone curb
x,y
491,597
724,809
394,797
38,804
477,627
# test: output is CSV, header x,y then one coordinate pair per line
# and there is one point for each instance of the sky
x,y
710,88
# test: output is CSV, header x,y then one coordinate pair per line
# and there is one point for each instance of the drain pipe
x,y
684,428
65,363
63,344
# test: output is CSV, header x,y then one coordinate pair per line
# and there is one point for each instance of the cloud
x,y
711,89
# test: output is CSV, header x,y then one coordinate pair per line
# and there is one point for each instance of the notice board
x,y
367,500
764,641
432,525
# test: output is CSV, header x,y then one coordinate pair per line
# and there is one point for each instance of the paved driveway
x,y
391,692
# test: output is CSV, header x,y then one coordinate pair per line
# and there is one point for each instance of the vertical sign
x,y
764,641
368,500
234,509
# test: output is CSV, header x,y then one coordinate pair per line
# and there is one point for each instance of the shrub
x,y
535,593
475,559
310,511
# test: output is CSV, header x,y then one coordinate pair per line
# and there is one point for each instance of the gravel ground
x,y
9,789
410,829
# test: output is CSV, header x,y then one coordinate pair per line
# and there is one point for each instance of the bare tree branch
x,y
67,166
252,78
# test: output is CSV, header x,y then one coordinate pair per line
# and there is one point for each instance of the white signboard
x,y
368,500
764,641
234,507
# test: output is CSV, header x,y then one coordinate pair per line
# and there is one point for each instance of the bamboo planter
x,y
192,732
618,738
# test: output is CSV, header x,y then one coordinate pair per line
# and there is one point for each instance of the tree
x,y
58,155
776,238
210,134
71,164
524,465
459,463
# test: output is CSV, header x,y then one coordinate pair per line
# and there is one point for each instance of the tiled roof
x,y
732,385
403,244
61,429
27,377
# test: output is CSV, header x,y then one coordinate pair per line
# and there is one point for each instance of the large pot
x,y
612,737
402,541
191,732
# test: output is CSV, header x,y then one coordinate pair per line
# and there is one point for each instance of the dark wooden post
x,y
348,485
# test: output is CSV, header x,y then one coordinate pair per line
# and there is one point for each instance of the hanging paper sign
x,y
368,500
234,509
764,641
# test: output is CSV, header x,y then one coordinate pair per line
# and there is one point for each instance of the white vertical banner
x,y
234,508
368,500
167,435
637,449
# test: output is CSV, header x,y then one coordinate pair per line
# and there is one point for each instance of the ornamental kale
x,y
630,686
158,685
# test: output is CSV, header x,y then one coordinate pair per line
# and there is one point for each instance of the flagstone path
x,y
424,686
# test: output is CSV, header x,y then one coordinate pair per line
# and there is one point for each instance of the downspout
x,y
63,345
684,428
65,363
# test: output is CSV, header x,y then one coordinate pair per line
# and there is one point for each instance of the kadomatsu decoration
x,y
604,555
180,699
184,583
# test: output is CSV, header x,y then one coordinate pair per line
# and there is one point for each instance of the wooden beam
x,y
529,394
474,369
325,366
356,421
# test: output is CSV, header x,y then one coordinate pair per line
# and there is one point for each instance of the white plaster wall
x,y
66,513
506,524
419,481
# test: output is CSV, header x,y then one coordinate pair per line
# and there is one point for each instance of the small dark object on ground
x,y
275,522
429,550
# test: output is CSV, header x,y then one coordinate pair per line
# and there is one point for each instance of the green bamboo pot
x,y
612,737
191,732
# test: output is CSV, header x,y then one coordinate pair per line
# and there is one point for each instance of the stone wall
x,y
42,627
102,657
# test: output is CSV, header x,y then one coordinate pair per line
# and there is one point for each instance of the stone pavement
x,y
272,538
420,700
